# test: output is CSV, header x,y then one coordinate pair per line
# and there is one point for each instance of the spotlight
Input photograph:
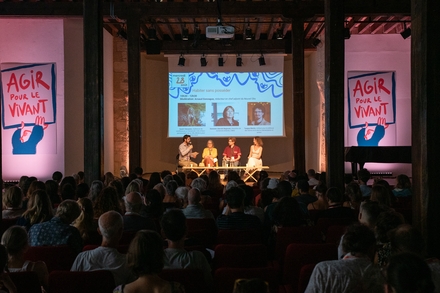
x,y
279,34
347,34
181,61
316,42
406,32
261,60
203,61
151,33
185,34
239,60
220,61
248,33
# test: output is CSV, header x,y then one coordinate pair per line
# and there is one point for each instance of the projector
x,y
220,32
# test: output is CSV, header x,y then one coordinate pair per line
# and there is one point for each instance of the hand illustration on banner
x,y
369,137
21,146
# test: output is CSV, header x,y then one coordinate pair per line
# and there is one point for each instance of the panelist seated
x,y
209,155
255,153
231,154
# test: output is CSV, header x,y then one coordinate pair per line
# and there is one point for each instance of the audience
x,y
133,220
237,219
107,201
176,257
194,209
86,223
39,210
5,280
322,201
363,177
403,186
145,258
106,256
346,275
15,240
12,203
58,230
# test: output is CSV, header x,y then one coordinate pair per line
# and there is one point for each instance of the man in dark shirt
x,y
132,219
237,219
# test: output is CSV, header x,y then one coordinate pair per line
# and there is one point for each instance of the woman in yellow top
x,y
209,154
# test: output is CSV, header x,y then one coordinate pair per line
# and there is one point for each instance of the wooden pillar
x,y
334,92
134,101
299,132
425,102
93,91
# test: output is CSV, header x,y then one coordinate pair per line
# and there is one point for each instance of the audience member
x,y
322,201
145,258
335,208
39,210
363,177
52,189
381,194
154,179
386,222
408,273
57,176
95,190
304,198
176,257
346,275
403,186
15,240
288,213
153,205
5,280
133,221
195,210
12,203
182,195
106,201
106,256
108,177
237,219
250,209
133,186
139,172
86,223
311,175
353,196
58,230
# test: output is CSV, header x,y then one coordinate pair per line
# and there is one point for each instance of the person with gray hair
x,y
106,256
133,220
199,183
182,195
58,231
194,208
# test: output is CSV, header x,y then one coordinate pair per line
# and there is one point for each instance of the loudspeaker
x,y
153,47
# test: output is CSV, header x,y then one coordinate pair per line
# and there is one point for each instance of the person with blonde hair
x,y
209,154
15,240
39,210
85,222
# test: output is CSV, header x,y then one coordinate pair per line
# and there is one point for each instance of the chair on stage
x,y
100,281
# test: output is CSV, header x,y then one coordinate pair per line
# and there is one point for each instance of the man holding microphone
x,y
186,153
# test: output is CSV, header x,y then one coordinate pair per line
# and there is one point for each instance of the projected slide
x,y
221,104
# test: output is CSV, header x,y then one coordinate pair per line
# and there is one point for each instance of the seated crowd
x,y
135,227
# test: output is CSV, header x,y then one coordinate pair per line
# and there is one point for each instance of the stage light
x,y
185,34
239,60
347,33
203,61
279,34
406,31
151,34
316,42
248,33
181,61
220,60
261,60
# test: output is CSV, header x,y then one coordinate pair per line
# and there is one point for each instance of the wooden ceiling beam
x,y
288,9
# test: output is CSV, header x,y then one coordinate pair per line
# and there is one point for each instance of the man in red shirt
x,y
232,153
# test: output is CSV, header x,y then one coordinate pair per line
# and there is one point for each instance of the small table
x,y
248,171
